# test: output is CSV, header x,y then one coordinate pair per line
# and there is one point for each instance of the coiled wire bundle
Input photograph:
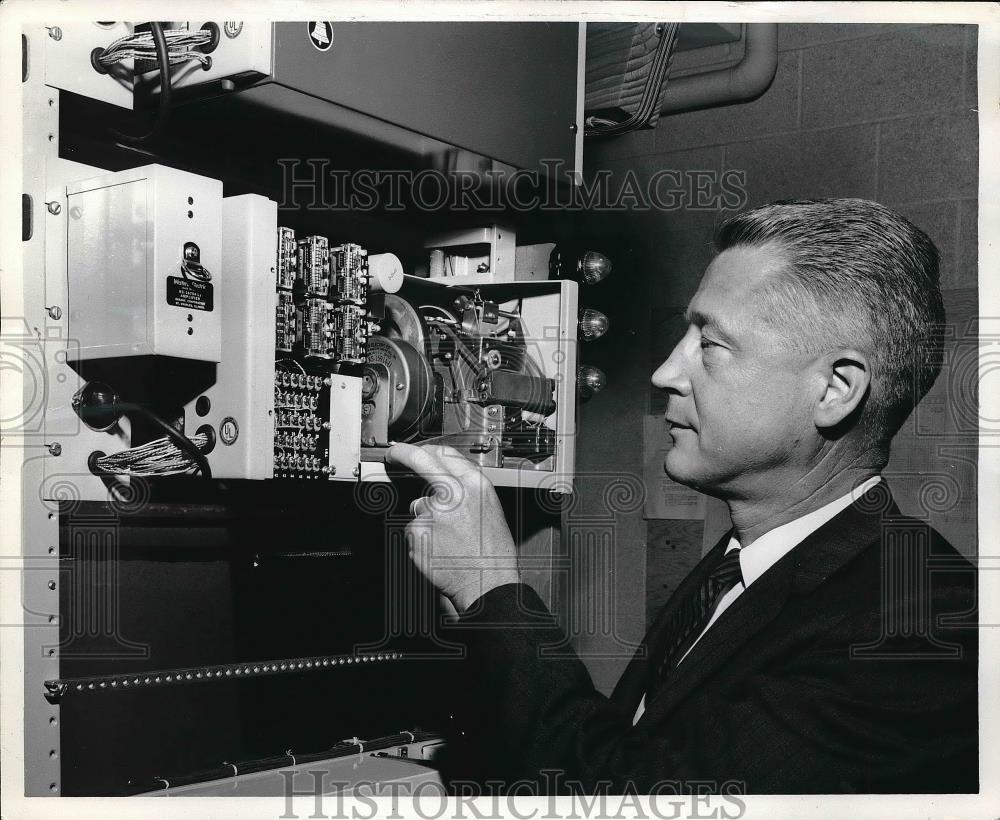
x,y
158,457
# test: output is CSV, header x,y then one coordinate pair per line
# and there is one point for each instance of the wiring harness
x,y
651,94
165,47
100,408
182,45
158,457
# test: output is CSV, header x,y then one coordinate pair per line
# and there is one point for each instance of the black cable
x,y
655,81
460,347
163,60
182,441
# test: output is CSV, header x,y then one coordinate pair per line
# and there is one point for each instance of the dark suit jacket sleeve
x,y
792,728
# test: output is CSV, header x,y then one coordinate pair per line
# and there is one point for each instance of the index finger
x,y
424,464
414,458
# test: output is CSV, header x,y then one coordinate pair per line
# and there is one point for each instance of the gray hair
x,y
875,274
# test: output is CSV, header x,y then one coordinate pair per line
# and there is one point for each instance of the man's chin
x,y
690,476
677,471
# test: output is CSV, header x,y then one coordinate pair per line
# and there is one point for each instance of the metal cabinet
x,y
507,91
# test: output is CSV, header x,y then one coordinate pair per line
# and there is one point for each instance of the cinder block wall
x,y
882,112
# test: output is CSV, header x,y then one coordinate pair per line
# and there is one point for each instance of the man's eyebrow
x,y
696,317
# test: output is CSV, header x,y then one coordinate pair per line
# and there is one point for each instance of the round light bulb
x,y
594,267
589,380
593,324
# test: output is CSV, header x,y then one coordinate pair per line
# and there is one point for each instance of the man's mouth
x,y
676,425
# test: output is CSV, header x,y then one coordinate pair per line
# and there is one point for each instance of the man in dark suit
x,y
827,643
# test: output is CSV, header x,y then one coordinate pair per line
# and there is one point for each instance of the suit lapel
x,y
799,572
632,684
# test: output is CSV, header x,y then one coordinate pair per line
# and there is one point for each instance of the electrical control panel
x,y
212,380
213,340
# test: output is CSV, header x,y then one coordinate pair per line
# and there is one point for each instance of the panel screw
x,y
400,385
55,312
55,32
573,128
55,449
54,207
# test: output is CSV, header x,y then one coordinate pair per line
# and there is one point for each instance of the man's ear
x,y
848,376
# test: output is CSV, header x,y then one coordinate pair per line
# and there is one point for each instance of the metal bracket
x,y
56,689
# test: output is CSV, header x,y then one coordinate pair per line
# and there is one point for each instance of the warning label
x,y
188,293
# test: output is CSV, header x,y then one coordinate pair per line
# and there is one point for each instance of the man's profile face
x,y
740,397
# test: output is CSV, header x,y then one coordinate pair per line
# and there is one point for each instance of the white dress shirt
x,y
758,557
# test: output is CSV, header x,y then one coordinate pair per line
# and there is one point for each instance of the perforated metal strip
x,y
200,674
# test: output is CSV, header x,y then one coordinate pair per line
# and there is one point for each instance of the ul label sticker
x,y
321,34
229,430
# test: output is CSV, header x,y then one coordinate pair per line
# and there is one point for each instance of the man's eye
x,y
707,343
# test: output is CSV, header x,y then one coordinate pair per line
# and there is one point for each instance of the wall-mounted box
x,y
144,258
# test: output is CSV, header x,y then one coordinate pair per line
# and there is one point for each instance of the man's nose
x,y
672,374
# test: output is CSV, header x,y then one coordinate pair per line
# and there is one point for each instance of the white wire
x,y
299,366
200,36
445,311
181,45
158,457
173,57
144,39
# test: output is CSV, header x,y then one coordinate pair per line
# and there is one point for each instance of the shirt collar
x,y
766,551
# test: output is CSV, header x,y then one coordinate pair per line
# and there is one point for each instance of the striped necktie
x,y
694,613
